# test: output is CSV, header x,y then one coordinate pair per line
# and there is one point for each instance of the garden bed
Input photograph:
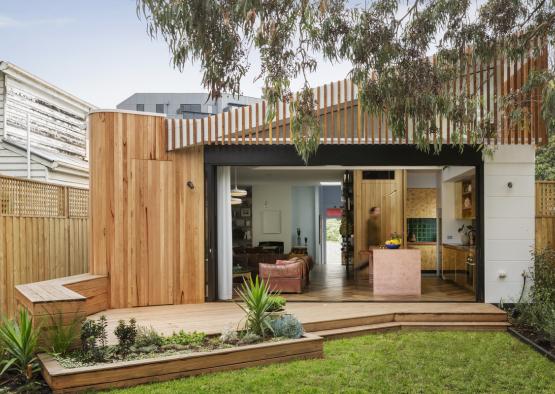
x,y
129,373
530,338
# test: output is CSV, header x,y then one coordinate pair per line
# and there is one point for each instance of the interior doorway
x,y
333,241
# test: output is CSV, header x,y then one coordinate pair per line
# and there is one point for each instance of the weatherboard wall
x,y
55,125
509,221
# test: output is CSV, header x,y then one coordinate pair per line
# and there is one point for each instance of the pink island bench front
x,y
396,271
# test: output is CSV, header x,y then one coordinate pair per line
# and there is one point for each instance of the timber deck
x,y
331,320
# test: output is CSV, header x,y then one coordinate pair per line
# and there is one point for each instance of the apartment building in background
x,y
184,105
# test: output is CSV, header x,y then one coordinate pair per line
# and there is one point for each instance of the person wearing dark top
x,y
374,227
373,234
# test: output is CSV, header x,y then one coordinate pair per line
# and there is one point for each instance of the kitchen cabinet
x,y
465,204
428,255
459,265
449,257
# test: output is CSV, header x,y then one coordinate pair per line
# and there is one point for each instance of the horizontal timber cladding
x,y
147,224
343,121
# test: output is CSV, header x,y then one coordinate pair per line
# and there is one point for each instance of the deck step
x,y
347,332
402,318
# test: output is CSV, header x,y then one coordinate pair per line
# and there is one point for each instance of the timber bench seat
x,y
70,297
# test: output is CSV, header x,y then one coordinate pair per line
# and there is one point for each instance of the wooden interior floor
x,y
329,283
212,317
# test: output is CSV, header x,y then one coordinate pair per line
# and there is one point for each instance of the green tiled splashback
x,y
424,229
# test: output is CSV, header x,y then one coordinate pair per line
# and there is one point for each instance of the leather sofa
x,y
251,260
286,276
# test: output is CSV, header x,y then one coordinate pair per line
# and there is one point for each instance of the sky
x,y
99,51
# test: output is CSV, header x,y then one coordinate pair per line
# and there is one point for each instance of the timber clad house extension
x,y
161,216
57,133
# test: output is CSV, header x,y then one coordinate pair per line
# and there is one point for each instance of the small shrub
x,y
185,338
147,337
277,303
229,335
255,295
287,326
249,337
61,337
536,311
93,339
19,339
126,334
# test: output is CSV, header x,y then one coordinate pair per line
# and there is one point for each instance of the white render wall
x,y
509,223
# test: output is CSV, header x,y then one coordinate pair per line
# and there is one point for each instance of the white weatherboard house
x,y
53,146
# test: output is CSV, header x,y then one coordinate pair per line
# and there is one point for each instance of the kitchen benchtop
x,y
460,247
421,243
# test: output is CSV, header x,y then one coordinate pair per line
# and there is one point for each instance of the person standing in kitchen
x,y
373,236
374,227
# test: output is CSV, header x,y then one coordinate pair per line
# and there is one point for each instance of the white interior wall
x,y
297,206
421,179
303,205
275,196
450,224
509,226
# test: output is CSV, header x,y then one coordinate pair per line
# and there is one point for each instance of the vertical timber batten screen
x,y
545,214
343,121
43,234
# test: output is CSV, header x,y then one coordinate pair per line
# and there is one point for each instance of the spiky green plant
x,y
256,296
19,339
62,337
277,303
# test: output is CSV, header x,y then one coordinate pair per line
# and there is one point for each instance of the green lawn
x,y
403,362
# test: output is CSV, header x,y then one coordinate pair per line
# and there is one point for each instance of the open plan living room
x,y
341,234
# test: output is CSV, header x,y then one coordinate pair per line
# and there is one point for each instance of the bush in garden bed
x,y
148,338
277,303
257,302
93,340
287,326
62,337
534,314
18,346
126,334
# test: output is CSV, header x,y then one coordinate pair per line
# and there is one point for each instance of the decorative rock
x,y
174,346
147,349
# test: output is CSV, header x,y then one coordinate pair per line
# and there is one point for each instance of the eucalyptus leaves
x,y
305,124
387,42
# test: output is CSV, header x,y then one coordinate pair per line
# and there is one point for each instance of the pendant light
x,y
236,201
236,192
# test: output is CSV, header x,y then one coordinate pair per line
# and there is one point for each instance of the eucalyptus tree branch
x,y
387,52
